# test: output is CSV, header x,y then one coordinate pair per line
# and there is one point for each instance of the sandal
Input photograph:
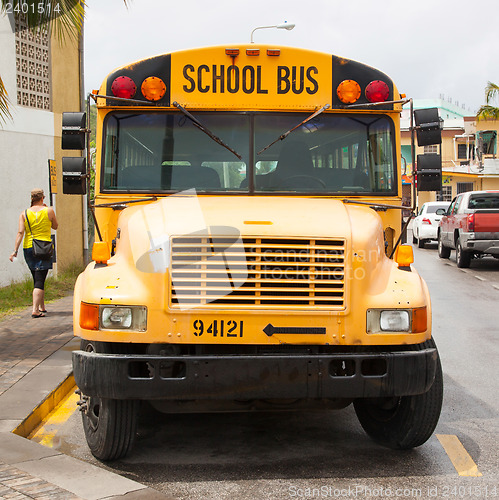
x,y
41,315
43,310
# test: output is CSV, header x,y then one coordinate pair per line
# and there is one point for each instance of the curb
x,y
40,463
40,412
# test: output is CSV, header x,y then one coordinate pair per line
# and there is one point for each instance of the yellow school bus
x,y
247,207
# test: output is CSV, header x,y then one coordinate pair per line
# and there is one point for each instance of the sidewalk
x,y
35,358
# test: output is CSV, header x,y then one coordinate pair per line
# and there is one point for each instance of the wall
x,y
27,142
487,125
66,97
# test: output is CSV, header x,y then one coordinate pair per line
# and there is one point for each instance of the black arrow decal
x,y
293,330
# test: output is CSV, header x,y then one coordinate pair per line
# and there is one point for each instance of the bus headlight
x,y
397,320
394,321
123,318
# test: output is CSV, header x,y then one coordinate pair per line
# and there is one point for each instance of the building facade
x,y
42,78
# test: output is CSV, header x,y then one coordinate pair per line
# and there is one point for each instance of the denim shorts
x,y
34,263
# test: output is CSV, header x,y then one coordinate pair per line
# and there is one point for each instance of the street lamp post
x,y
283,26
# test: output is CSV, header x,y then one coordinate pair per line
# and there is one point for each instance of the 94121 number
x,y
218,328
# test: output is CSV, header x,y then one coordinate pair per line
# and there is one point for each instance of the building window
x,y
445,194
462,187
430,149
32,66
461,152
465,151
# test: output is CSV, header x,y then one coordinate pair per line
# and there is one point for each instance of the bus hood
x,y
147,229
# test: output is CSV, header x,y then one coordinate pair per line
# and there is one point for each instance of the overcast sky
x,y
428,47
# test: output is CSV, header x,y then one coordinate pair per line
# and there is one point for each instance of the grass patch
x,y
19,296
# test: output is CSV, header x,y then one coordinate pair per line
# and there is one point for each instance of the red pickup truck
x,y
471,226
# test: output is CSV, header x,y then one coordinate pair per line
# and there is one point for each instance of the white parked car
x,y
425,224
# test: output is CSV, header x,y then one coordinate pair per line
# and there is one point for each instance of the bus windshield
x,y
331,154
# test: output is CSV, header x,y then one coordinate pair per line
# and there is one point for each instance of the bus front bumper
x,y
243,377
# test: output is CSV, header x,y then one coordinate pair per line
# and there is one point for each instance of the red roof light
x,y
377,91
124,87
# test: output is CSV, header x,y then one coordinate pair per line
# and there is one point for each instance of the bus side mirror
x,y
74,175
428,126
441,211
429,172
74,128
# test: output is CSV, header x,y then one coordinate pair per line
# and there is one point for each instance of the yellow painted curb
x,y
460,458
35,418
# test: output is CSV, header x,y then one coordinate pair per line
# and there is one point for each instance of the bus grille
x,y
213,272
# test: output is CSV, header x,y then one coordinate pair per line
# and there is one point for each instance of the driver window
x,y
451,207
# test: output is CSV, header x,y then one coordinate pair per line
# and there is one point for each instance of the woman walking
x,y
36,222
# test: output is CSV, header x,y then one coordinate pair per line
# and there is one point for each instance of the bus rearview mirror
x,y
428,126
74,175
429,172
74,128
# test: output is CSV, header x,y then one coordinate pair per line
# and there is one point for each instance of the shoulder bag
x,y
41,249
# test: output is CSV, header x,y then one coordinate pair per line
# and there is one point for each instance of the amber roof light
x,y
348,91
153,88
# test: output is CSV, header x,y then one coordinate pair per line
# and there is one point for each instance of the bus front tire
x,y
110,426
403,422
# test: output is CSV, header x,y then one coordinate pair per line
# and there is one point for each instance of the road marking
x,y
458,455
496,287
480,278
46,432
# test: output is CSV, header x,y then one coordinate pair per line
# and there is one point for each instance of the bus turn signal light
x,y
419,320
89,316
404,255
124,87
232,52
100,252
153,88
377,91
348,91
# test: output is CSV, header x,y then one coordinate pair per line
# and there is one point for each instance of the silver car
x,y
425,224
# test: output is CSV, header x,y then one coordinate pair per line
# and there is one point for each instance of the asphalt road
x,y
327,454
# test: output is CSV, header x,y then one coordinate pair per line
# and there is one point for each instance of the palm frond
x,y
69,23
491,92
4,103
488,112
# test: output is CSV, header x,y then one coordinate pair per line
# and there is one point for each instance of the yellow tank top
x,y
40,225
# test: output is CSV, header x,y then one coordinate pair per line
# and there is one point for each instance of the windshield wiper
x,y
206,130
283,136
